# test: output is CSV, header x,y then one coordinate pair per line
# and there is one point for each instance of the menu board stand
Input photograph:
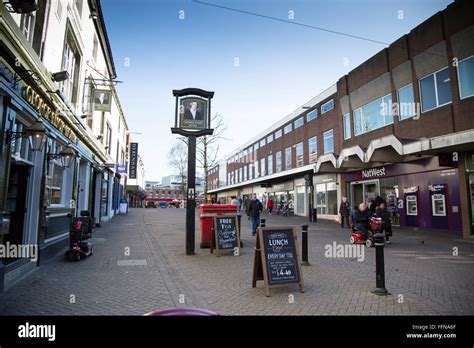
x,y
277,260
225,235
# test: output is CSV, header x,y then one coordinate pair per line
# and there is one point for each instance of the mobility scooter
x,y
374,225
80,232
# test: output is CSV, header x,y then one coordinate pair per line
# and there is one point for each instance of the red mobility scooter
x,y
81,231
374,225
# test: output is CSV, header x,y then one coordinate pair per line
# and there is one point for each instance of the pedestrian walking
x,y
238,203
344,211
270,205
381,212
253,212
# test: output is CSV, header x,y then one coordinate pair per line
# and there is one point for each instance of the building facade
x,y
63,132
399,125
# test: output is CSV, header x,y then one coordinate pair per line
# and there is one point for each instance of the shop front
x,y
470,177
326,195
282,195
420,193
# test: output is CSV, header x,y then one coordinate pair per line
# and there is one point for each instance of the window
x,y
328,142
313,149
406,102
71,63
311,115
299,122
108,139
466,77
288,158
326,198
78,4
59,10
435,90
347,126
255,147
250,171
55,178
287,128
257,173
270,138
262,166
241,178
236,176
278,162
245,173
327,106
262,143
270,164
95,47
228,178
299,154
27,25
278,134
374,115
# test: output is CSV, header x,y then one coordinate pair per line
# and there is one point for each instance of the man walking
x,y
344,211
253,212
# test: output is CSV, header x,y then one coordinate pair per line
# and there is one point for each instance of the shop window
x,y
270,164
406,102
466,77
278,134
412,205
55,178
300,199
435,90
329,141
278,162
288,158
438,204
299,154
321,198
299,122
326,198
288,128
311,115
327,106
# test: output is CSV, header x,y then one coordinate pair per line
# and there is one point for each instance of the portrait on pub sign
x,y
193,113
102,100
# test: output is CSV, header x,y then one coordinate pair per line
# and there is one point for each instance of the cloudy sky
x,y
260,69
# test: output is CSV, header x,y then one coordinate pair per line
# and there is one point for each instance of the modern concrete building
x,y
399,125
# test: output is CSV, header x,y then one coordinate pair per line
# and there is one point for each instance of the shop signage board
x,y
277,260
225,235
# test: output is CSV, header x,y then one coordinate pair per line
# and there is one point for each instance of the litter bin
x,y
208,220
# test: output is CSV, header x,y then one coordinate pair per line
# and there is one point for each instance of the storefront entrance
x,y
364,192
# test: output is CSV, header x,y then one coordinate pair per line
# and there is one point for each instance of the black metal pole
x,y
310,208
262,222
191,202
239,223
304,245
379,265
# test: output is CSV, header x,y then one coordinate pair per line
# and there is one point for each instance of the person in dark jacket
x,y
253,212
386,222
375,204
344,211
361,219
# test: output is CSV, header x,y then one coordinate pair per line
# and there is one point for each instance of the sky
x,y
260,69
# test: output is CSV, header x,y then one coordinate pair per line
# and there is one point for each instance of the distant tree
x,y
178,162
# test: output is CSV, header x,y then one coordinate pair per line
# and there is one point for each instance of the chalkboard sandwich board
x,y
277,260
225,236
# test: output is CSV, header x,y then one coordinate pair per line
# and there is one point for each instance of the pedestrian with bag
x,y
344,212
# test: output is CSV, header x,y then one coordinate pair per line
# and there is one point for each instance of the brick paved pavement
x,y
431,280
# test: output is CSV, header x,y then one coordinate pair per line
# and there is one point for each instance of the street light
x,y
37,136
67,157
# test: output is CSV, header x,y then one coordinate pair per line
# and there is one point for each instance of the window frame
x,y
324,141
459,78
363,118
315,111
290,125
290,166
436,90
347,137
312,154
297,120
280,132
323,105
398,102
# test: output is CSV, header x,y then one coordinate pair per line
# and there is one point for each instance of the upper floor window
x,y
374,115
278,162
255,147
262,142
78,5
257,173
313,149
406,102
347,126
288,158
327,106
95,48
299,154
466,77
311,115
288,128
328,141
278,134
270,138
299,122
270,164
108,139
435,90
262,166
71,63
27,25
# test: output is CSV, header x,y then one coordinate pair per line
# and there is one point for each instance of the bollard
x,y
262,222
379,266
239,223
304,245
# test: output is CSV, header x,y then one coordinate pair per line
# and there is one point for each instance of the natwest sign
x,y
371,173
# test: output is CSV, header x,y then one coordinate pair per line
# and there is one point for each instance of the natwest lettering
x,y
373,173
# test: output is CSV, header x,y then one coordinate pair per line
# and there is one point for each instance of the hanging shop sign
x,y
102,100
121,168
133,160
50,113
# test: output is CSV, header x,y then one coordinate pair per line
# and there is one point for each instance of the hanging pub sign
x,y
277,260
102,100
225,237
133,160
193,113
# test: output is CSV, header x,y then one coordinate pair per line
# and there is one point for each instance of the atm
x,y
439,206
412,206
